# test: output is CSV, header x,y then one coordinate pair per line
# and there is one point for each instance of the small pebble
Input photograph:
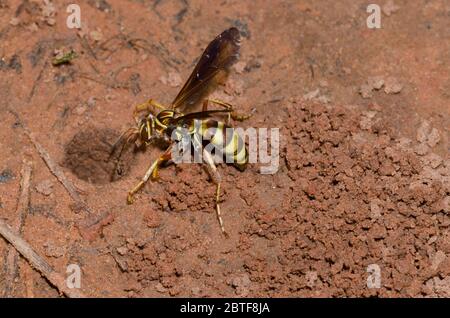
x,y
432,239
376,82
96,35
50,21
421,149
433,160
433,138
195,291
122,250
80,110
91,101
423,131
14,21
53,251
375,210
392,86
366,91
160,288
239,67
33,27
437,259
45,187
311,277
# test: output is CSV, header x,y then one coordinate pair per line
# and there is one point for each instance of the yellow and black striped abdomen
x,y
224,138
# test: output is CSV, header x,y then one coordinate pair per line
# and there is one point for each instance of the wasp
x,y
156,122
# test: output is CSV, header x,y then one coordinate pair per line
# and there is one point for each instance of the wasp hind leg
x,y
217,179
151,172
228,106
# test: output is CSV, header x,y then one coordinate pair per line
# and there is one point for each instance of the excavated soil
x,y
364,166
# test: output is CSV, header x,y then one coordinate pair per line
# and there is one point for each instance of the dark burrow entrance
x,y
88,156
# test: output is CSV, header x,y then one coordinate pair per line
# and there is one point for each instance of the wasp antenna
x,y
114,146
129,134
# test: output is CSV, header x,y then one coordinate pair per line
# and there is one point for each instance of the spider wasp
x,y
212,69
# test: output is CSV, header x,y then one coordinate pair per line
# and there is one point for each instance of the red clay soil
x,y
364,174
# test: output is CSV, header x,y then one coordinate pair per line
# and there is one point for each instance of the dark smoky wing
x,y
211,69
198,115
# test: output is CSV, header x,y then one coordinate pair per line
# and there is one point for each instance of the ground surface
x,y
364,167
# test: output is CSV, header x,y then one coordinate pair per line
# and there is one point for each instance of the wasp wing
x,y
211,70
199,115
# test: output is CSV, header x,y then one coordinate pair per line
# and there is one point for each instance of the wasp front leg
x,y
146,107
228,106
151,172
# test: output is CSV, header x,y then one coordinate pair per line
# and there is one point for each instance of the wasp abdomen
x,y
224,139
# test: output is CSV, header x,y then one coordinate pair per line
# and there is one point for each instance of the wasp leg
x,y
151,172
217,179
228,106
146,106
